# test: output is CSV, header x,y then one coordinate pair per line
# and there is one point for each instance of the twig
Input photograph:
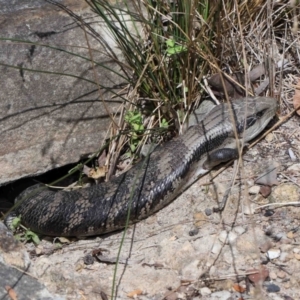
x,y
293,181
281,204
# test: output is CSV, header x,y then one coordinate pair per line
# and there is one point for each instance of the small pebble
x,y
88,259
205,291
254,190
273,288
265,190
269,137
278,236
292,155
194,231
226,237
135,293
39,250
273,253
208,211
268,213
221,295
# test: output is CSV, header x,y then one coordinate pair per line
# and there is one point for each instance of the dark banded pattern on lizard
x,y
152,183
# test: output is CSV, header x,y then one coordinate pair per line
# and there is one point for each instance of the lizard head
x,y
252,115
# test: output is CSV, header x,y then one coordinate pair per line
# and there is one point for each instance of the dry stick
x,y
290,179
281,204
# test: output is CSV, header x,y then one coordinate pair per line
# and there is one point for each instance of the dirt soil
x,y
185,251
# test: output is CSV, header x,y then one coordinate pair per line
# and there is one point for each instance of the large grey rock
x,y
15,279
49,120
24,286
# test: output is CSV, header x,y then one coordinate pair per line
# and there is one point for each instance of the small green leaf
x,y
30,235
172,48
136,126
16,222
175,50
135,119
132,147
128,116
170,43
164,123
134,137
36,239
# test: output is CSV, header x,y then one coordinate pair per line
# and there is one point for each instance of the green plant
x,y
164,124
172,48
135,121
23,234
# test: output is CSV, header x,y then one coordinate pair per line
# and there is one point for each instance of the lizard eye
x,y
253,118
260,114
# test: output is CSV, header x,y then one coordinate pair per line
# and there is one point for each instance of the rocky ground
x,y
185,251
